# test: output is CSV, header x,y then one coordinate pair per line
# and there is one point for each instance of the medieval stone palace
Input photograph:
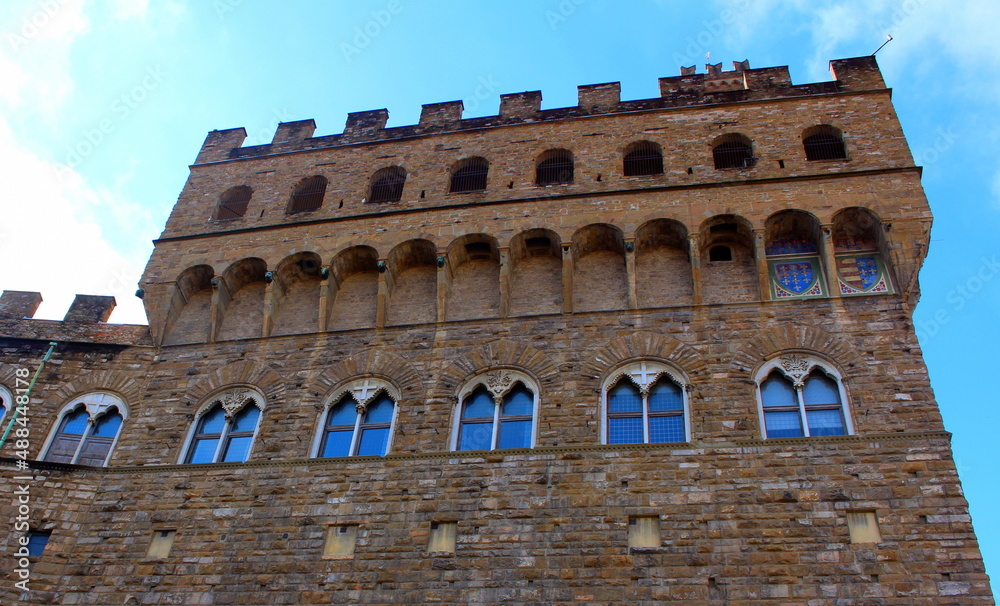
x,y
656,351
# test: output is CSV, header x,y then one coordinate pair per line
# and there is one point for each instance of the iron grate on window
x,y
308,196
387,185
644,159
556,169
824,146
470,177
733,153
233,203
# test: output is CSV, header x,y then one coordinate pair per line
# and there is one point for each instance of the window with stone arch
x,y
800,396
645,402
225,428
496,409
358,420
6,402
87,430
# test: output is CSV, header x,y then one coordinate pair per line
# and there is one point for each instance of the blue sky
x,y
105,104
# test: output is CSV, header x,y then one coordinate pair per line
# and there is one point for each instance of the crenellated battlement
x,y
690,89
85,321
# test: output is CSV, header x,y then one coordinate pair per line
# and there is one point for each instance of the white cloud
x,y
50,241
128,9
50,238
35,54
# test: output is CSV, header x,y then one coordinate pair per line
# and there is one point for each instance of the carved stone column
x,y
633,298
567,277
443,286
504,282
382,298
760,255
829,260
694,254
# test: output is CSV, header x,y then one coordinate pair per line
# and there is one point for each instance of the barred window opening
x,y
556,168
825,144
734,152
308,195
644,158
233,203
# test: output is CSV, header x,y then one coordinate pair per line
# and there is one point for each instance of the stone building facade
x,y
652,351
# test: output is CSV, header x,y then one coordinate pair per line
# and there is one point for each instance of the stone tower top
x,y
742,84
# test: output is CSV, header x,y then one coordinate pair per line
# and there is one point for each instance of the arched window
x,y
224,432
233,203
801,396
554,167
469,175
497,410
824,142
643,158
308,195
792,245
361,421
387,185
6,402
733,151
858,242
643,403
87,430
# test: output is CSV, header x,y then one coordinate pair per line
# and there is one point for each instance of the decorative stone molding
x,y
512,356
796,366
233,400
784,338
98,403
498,383
644,374
363,391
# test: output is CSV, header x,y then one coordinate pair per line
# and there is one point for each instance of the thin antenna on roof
x,y
887,41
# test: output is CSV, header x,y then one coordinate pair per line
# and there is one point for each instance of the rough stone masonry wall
x,y
740,524
743,520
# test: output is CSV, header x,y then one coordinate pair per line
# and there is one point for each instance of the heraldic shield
x,y
795,276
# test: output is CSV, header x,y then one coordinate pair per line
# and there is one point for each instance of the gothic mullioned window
x,y
360,420
224,431
801,396
645,402
6,402
87,430
497,410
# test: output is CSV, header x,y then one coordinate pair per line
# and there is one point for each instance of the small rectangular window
x,y
644,531
442,537
863,526
340,541
160,543
37,540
